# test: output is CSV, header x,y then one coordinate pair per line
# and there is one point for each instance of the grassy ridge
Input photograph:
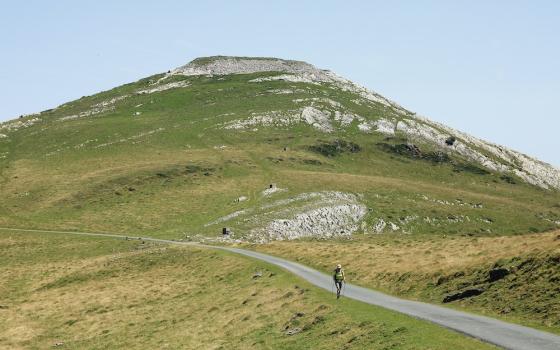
x,y
92,293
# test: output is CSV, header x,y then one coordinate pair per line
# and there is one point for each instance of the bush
x,y
450,140
335,148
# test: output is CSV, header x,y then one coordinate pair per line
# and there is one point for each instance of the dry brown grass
x,y
368,257
103,294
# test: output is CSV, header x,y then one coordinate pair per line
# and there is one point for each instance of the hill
x,y
321,169
272,149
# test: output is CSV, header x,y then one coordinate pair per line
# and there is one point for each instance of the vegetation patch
x,y
509,179
335,148
410,150
470,168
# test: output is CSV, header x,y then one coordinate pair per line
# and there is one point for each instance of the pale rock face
x,y
296,71
318,119
98,108
314,214
384,126
381,225
329,214
345,118
17,124
2,136
508,161
164,87
272,118
310,115
287,77
333,221
241,65
272,190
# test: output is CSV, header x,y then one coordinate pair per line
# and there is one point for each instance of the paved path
x,y
503,334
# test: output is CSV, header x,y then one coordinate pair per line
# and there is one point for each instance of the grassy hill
x,y
279,150
169,154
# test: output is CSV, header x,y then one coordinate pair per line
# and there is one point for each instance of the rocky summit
x,y
263,149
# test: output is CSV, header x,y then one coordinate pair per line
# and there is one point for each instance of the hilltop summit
x,y
223,65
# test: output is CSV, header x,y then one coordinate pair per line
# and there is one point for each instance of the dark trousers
x,y
338,285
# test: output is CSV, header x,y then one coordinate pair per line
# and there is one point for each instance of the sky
x,y
490,68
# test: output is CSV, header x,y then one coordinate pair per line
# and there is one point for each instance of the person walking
x,y
339,279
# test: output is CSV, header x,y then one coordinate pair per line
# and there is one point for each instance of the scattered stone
x,y
293,331
272,189
379,226
257,275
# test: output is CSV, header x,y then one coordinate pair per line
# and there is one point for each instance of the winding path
x,y
506,335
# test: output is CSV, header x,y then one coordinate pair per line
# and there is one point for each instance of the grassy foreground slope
x,y
516,278
93,293
140,158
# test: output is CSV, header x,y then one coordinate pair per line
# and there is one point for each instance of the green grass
x,y
173,168
75,174
97,293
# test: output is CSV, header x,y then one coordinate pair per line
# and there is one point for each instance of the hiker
x,y
338,277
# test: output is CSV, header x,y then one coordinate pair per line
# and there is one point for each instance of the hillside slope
x,y
272,149
94,293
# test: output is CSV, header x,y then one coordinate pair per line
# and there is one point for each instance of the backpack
x,y
339,275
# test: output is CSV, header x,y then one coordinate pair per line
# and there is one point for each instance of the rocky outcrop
x,y
319,119
322,215
17,124
220,65
325,222
164,87
490,156
313,214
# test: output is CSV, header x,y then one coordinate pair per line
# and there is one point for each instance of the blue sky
x,y
491,68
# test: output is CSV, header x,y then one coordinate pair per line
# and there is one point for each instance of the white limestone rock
x,y
164,87
325,222
15,125
98,108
